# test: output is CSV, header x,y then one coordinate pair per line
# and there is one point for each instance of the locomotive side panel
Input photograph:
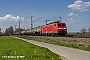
x,y
49,29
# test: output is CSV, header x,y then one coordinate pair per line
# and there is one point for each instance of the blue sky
x,y
75,13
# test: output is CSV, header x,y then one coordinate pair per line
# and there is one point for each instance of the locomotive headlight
x,y
64,28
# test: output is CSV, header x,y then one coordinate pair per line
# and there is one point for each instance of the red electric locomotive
x,y
55,28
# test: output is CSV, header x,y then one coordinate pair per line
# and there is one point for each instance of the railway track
x,y
75,38
62,36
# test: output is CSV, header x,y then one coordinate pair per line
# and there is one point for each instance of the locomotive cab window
x,y
62,24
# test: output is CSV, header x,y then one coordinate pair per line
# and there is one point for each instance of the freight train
x,y
54,28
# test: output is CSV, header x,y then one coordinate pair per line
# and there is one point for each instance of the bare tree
x,y
9,31
6,32
83,30
0,31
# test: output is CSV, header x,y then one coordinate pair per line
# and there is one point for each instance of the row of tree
x,y
9,31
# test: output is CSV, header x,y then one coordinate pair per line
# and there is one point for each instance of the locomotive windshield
x,y
61,24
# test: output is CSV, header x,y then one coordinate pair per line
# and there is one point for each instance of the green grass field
x,y
13,49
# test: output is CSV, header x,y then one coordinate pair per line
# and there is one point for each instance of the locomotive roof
x,y
55,22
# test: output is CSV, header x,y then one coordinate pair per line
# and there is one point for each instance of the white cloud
x,y
73,21
72,14
80,5
11,17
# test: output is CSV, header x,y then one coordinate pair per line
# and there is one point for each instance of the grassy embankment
x,y
83,45
10,46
